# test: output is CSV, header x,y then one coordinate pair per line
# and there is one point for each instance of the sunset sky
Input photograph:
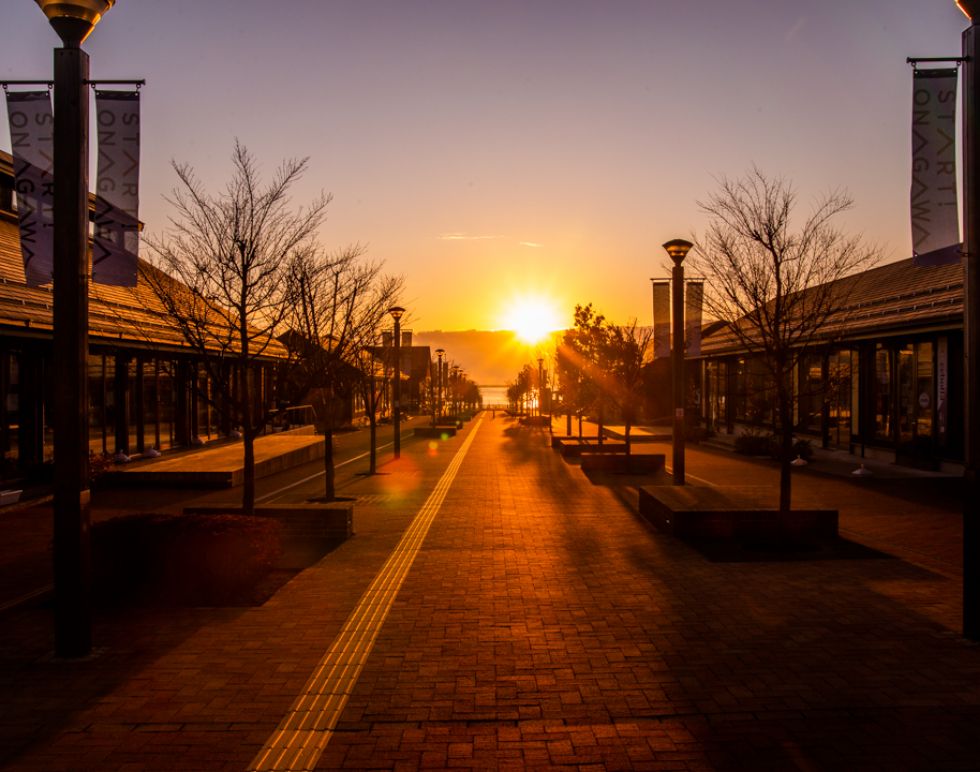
x,y
496,151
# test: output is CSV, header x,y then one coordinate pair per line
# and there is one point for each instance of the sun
x,y
532,318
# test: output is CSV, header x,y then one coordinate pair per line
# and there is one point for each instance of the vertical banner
x,y
693,297
32,146
115,245
661,319
935,222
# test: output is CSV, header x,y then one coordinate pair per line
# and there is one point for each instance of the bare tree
x,y
222,278
626,348
519,391
582,364
341,302
775,278
373,385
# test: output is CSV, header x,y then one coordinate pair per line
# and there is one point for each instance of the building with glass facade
x,y
146,387
885,380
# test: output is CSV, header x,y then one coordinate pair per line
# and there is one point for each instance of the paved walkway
x,y
537,624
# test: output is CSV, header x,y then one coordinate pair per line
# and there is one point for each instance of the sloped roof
x,y
131,314
886,300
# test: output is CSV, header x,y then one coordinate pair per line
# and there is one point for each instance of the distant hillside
x,y
488,357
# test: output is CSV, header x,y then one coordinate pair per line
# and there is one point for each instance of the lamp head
x,y
440,352
969,8
678,249
396,312
74,20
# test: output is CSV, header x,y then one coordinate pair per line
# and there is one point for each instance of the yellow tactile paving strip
x,y
307,727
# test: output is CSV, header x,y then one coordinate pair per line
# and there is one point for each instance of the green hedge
x,y
182,559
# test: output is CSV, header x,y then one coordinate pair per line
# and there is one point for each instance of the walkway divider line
x,y
307,727
275,493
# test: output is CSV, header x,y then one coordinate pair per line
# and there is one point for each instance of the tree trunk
x,y
329,475
600,425
785,450
248,441
629,444
373,463
248,472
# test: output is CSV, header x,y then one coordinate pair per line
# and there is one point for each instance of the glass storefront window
x,y
925,388
97,403
840,374
811,393
907,398
883,393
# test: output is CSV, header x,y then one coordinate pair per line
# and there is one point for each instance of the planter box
x,y
730,514
620,463
575,448
557,440
9,497
436,432
314,521
536,420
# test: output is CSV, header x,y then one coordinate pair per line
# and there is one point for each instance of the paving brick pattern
x,y
542,625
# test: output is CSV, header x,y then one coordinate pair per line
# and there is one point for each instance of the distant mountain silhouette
x,y
489,357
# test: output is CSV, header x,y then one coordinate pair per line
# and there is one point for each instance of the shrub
x,y
188,559
803,449
98,465
754,444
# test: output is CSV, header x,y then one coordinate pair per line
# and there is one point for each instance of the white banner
x,y
661,319
693,296
32,145
935,222
115,245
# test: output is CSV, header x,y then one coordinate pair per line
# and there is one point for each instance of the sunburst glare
x,y
532,318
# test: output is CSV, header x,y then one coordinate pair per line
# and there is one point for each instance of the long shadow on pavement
x,y
809,664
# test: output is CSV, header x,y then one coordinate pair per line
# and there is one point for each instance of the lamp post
x,y
971,319
396,314
440,353
678,249
73,21
454,388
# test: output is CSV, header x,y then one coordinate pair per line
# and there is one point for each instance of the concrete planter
x,y
730,514
575,448
620,463
311,521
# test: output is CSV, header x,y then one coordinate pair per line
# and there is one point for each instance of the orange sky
x,y
484,149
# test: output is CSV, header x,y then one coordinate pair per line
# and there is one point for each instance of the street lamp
x,y
73,21
971,319
396,313
678,249
454,388
440,353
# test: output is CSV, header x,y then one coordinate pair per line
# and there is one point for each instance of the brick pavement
x,y
542,625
